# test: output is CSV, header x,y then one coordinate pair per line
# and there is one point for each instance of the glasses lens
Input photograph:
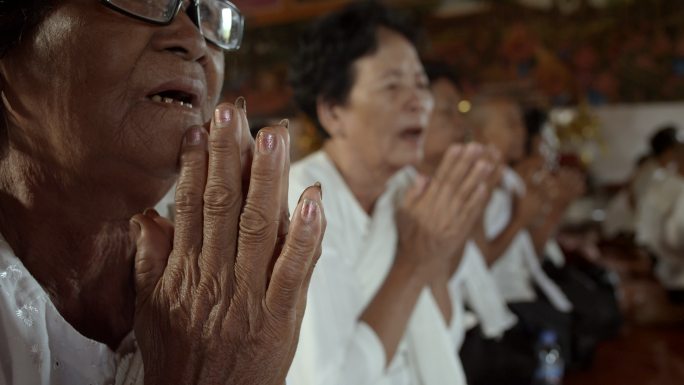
x,y
160,11
221,23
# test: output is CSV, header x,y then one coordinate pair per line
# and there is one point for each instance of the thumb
x,y
153,246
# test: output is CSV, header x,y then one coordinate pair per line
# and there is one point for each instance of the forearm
x,y
389,311
543,230
493,249
440,291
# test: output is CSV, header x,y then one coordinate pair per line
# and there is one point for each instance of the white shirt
x,y
357,254
620,216
475,285
37,346
519,268
660,226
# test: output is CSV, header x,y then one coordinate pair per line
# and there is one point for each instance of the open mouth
x,y
180,98
413,133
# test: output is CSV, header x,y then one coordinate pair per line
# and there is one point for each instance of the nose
x,y
420,100
182,37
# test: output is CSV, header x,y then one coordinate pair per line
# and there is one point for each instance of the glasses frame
x,y
178,6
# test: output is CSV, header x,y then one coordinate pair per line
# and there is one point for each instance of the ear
x,y
329,114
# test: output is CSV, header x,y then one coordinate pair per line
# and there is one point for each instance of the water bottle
x,y
550,366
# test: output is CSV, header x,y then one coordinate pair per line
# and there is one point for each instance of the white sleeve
x,y
334,347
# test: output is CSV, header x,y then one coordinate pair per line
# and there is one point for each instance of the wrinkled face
x,y
89,91
503,128
388,108
447,125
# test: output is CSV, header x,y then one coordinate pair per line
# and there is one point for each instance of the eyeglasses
x,y
219,21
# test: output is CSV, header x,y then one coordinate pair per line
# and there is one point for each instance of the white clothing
x,y
474,284
519,268
660,226
358,252
620,215
37,346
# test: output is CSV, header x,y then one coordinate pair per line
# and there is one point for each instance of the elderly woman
x,y
378,309
490,350
105,105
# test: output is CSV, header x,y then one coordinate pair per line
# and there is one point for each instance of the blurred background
x,y
611,73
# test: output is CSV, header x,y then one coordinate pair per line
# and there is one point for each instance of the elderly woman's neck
x,y
366,182
75,242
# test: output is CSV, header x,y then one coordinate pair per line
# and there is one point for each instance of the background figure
x,y
379,310
504,237
496,350
660,222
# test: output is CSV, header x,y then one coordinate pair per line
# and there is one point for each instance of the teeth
x,y
159,99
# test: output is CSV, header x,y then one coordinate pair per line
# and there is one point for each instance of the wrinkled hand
x,y
220,297
436,216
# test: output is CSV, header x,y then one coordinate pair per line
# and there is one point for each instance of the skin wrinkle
x,y
106,136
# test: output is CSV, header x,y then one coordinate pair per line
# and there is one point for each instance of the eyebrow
x,y
399,73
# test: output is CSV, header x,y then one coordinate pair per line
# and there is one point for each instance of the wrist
x,y
409,271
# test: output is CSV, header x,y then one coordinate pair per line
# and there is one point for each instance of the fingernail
x,y
309,210
241,103
285,123
223,114
320,188
194,136
150,212
267,142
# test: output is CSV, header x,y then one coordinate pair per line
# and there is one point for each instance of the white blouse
x,y
475,285
37,346
358,252
519,268
660,226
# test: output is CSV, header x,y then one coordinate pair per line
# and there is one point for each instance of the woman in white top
x,y
104,105
378,310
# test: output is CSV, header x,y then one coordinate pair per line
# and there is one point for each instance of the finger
x,y
222,194
415,190
284,223
473,180
246,143
189,191
300,254
462,171
164,224
261,215
473,208
153,247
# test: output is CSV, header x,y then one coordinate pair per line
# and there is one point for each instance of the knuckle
x,y
188,197
257,224
220,197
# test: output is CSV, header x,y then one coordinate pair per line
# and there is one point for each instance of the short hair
x,y
437,70
18,17
664,139
322,68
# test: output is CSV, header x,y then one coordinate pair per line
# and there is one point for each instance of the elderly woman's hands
x,y
220,297
436,218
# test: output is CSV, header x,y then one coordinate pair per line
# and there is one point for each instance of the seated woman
x,y
378,308
495,350
104,107
504,238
